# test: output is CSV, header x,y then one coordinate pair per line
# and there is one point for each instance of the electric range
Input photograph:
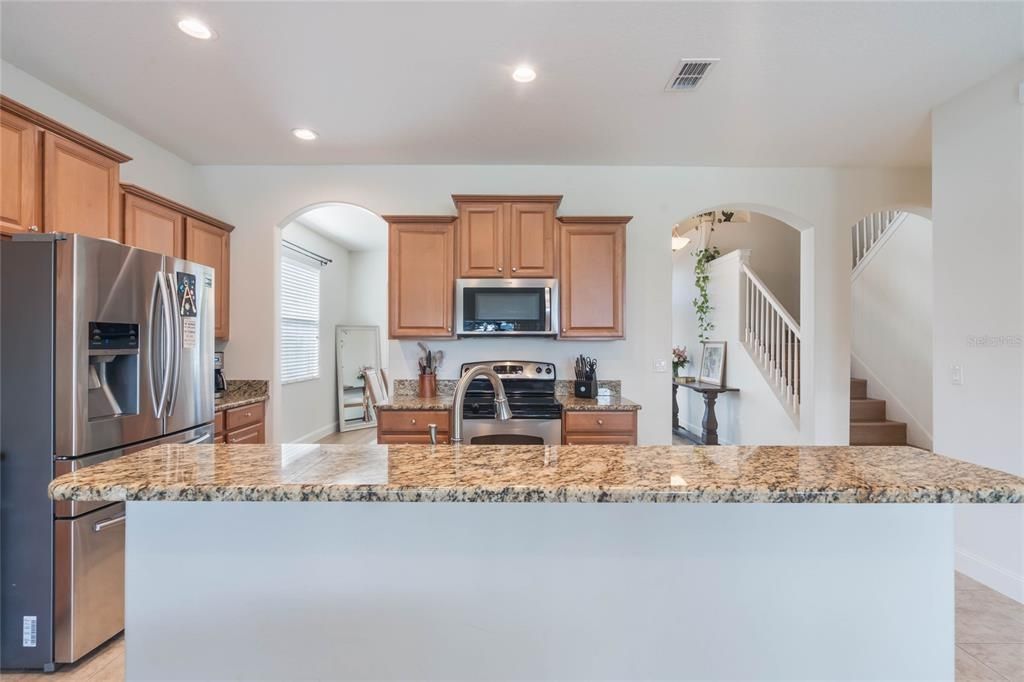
x,y
530,389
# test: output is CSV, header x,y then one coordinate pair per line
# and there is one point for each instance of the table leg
x,y
710,423
675,406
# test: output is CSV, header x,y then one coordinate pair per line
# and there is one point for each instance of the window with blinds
x,y
300,320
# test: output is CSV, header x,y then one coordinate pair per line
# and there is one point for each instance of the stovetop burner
x,y
529,387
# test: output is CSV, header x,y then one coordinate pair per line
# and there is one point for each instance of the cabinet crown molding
x,y
43,121
594,220
420,218
555,199
135,190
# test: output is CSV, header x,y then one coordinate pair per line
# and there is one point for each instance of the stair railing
x,y
866,233
773,337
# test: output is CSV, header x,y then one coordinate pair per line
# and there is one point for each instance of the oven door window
x,y
504,310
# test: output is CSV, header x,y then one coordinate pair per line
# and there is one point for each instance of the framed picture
x,y
712,363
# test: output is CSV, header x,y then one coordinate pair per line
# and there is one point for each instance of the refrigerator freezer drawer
x,y
88,581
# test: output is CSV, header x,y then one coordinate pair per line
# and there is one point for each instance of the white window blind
x,y
300,320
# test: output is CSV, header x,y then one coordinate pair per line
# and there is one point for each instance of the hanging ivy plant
x,y
702,304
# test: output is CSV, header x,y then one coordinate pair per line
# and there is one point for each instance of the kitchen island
x,y
496,562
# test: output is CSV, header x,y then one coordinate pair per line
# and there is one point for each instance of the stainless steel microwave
x,y
506,307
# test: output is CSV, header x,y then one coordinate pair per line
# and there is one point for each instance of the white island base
x,y
462,591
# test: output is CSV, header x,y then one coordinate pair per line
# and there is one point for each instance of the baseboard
x,y
317,434
991,575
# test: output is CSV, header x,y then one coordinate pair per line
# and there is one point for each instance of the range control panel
x,y
517,369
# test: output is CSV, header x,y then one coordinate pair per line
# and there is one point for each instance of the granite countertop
x,y
538,473
602,403
412,402
242,392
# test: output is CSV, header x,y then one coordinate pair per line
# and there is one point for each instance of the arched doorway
x,y
737,292
330,321
891,329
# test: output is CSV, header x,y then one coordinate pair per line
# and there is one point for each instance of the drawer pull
x,y
107,523
34,228
600,422
412,421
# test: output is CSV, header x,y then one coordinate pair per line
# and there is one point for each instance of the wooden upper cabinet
x,y
507,236
152,226
532,249
19,174
54,178
209,245
80,189
592,277
421,276
482,240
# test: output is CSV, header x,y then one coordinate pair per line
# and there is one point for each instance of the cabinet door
x,y
19,175
150,226
421,283
80,190
531,240
482,240
209,245
592,280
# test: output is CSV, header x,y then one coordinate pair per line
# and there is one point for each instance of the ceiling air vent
x,y
689,74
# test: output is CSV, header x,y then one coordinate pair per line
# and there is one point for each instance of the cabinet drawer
x,y
238,417
599,439
252,435
599,422
218,422
410,439
412,421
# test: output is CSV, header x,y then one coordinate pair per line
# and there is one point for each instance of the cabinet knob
x,y
33,228
248,414
499,268
412,421
600,422
563,330
514,269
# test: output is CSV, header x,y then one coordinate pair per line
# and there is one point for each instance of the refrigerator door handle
x,y
176,372
151,356
168,340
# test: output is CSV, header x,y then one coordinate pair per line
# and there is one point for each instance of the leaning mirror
x,y
357,349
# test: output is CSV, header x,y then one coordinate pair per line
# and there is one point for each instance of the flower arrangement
x,y
679,359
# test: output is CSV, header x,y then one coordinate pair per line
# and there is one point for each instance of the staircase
x,y
772,337
868,425
871,232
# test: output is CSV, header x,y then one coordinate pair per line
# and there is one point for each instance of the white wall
x,y
309,409
977,179
256,198
892,326
754,416
152,166
368,293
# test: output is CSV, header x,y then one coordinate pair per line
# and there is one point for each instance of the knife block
x,y
584,389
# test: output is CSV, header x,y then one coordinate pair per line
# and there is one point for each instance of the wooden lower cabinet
x,y
402,427
244,425
599,428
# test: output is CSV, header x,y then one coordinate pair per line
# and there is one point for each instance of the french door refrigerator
x,y
105,349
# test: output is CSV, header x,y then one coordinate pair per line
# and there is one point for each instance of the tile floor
x,y
989,642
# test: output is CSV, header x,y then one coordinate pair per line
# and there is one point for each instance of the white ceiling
x,y
353,227
844,83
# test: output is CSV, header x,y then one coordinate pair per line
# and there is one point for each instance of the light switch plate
x,y
661,365
957,375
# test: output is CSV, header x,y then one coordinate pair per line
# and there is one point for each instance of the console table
x,y
709,435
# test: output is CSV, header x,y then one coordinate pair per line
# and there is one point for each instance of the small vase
x,y
428,385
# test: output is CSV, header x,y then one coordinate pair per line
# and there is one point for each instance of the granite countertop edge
x,y
569,404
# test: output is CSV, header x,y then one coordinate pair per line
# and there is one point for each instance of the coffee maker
x,y
220,385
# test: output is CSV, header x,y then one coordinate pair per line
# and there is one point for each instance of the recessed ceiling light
x,y
523,74
195,28
304,133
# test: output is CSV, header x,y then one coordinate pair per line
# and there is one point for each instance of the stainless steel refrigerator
x,y
105,349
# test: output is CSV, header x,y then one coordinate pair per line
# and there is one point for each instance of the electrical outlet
x,y
957,375
661,365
